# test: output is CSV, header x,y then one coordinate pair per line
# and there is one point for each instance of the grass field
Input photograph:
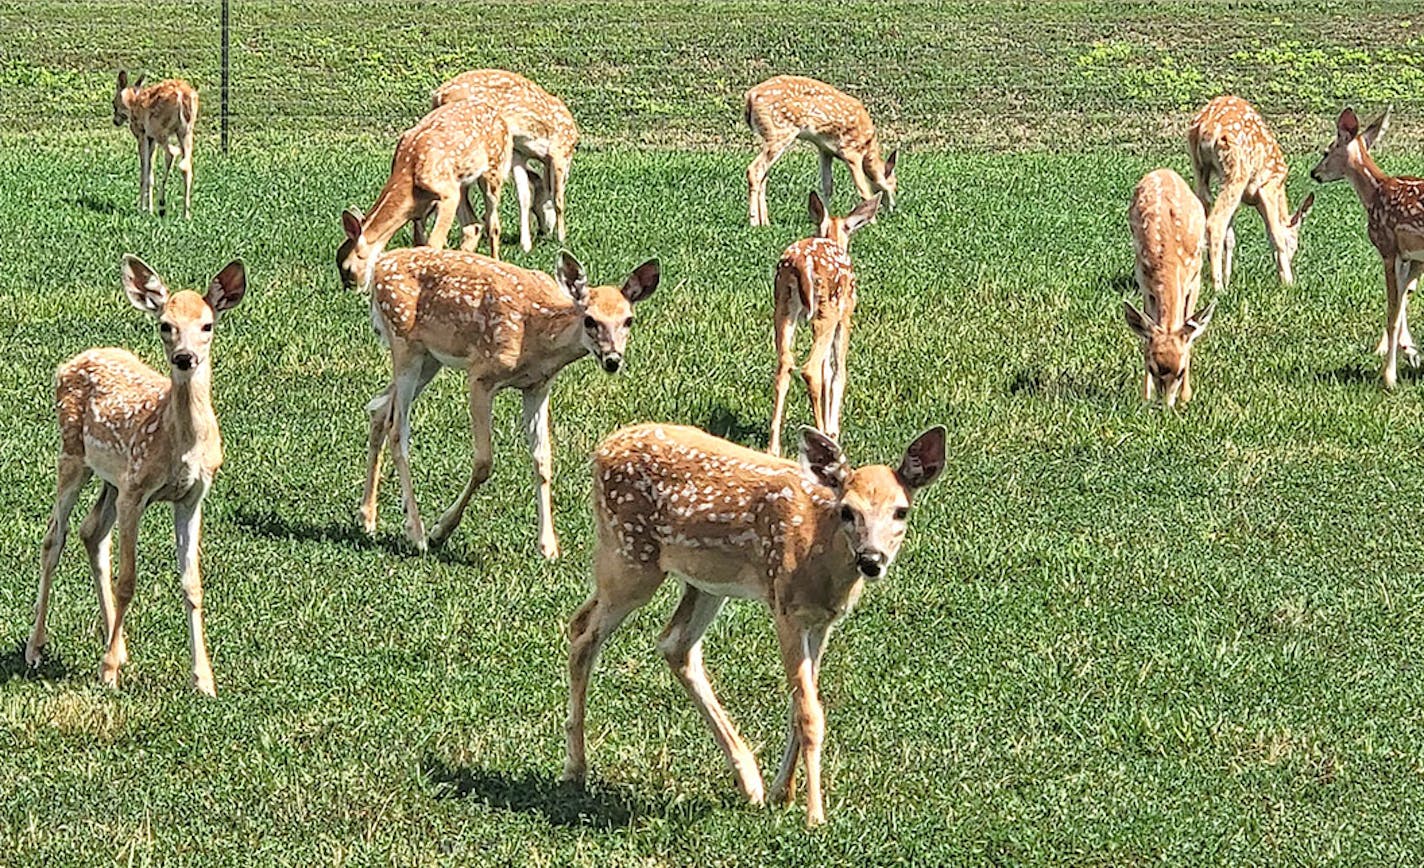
x,y
1115,635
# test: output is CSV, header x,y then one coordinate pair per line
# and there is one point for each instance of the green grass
x,y
1115,635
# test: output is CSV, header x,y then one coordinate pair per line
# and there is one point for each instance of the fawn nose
x,y
871,563
1315,176
183,361
612,362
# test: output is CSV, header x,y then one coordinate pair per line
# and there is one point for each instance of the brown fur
x,y
161,114
542,126
150,438
1228,140
732,522
506,327
785,108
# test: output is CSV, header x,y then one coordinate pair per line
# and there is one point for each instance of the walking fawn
x,y
735,523
1168,231
149,438
783,109
815,280
1394,207
1229,140
161,114
543,129
507,327
454,146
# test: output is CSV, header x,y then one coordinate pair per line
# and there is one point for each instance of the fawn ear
x,y
863,214
1197,323
123,79
1137,321
1377,128
1348,125
228,288
890,163
924,459
641,283
1303,209
817,209
138,82
143,286
571,277
351,220
822,459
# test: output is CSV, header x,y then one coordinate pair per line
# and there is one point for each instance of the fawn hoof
x,y
574,774
109,675
415,532
814,819
550,550
34,652
367,518
204,685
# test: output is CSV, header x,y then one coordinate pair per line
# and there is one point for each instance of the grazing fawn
x,y
454,146
149,438
804,539
1228,140
783,109
1394,207
161,114
814,280
543,129
507,327
1168,234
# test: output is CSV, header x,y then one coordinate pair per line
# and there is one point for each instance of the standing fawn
x,y
507,327
1394,208
454,146
814,280
804,539
783,109
1228,140
1168,234
161,114
543,129
149,438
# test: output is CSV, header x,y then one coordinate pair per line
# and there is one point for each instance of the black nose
x,y
1315,176
612,363
870,564
183,361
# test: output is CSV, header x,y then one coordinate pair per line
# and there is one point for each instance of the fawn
x,y
1229,140
456,145
543,130
730,522
507,327
1394,207
149,438
161,114
814,280
1168,232
783,109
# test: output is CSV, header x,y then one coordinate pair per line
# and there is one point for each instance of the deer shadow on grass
x,y
725,423
595,805
1096,386
89,203
273,526
52,666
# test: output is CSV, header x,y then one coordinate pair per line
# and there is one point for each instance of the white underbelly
x,y
107,462
712,571
448,360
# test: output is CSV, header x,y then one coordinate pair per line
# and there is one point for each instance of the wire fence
x,y
1050,74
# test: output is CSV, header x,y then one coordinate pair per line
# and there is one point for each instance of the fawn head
x,y
1167,352
185,318
122,94
607,310
840,229
873,502
1349,140
354,257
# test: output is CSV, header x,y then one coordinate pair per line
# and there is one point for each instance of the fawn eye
x,y
166,328
847,515
207,326
589,322
628,323
901,513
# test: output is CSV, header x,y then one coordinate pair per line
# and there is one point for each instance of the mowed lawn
x,y
1115,634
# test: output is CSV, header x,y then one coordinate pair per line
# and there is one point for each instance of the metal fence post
x,y
225,79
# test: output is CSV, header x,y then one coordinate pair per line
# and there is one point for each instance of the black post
x,y
224,74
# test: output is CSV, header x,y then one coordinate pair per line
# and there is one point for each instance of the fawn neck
x,y
1365,175
188,415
